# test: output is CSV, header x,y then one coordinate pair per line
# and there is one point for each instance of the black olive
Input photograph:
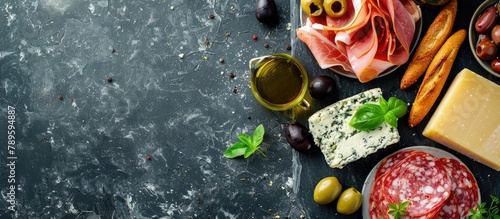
x,y
299,137
322,87
266,12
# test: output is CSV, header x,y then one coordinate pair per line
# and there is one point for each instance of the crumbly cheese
x,y
342,144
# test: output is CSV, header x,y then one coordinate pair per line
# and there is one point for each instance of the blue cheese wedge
x,y
342,144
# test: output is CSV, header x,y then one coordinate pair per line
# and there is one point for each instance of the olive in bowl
x,y
484,36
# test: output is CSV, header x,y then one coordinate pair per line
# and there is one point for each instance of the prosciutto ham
x,y
371,37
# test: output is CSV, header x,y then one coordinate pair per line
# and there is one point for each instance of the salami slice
x,y
421,179
388,163
377,205
450,208
375,213
464,185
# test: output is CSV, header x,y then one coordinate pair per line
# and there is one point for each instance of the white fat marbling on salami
x,y
391,161
421,179
450,208
377,203
463,185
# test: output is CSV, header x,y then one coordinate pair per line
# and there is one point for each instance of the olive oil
x,y
278,81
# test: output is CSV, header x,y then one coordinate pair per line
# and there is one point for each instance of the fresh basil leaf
x,y
397,106
238,149
249,151
383,104
391,119
247,144
367,117
247,139
258,135
405,204
392,206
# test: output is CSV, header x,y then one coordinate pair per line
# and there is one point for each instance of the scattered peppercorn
x,y
221,60
249,117
207,42
254,37
113,50
231,75
110,79
227,34
235,90
211,16
266,45
288,47
60,97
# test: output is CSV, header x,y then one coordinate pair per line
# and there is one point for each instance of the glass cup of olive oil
x,y
279,81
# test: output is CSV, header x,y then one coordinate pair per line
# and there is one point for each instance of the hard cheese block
x,y
342,144
468,119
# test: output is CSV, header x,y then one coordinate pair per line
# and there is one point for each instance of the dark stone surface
x,y
149,143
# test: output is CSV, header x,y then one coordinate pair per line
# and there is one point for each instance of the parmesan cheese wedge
x,y
468,119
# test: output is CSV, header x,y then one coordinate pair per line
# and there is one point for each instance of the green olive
x,y
312,7
327,190
335,8
349,201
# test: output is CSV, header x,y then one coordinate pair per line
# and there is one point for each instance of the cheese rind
x,y
467,120
342,144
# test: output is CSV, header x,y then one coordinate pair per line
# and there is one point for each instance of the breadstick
x,y
435,77
438,32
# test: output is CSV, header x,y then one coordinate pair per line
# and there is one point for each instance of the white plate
x,y
339,70
367,186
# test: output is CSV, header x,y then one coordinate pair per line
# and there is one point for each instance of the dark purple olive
x,y
487,20
322,87
495,34
299,137
486,49
495,65
266,12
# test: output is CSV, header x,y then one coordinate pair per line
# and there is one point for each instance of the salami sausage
x,y
391,161
464,185
450,208
437,188
378,207
421,179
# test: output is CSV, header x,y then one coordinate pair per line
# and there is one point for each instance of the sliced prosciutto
x,y
325,52
371,37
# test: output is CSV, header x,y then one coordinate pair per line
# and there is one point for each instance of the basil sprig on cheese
x,y
370,115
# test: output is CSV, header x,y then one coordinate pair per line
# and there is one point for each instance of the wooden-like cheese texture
x,y
468,119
